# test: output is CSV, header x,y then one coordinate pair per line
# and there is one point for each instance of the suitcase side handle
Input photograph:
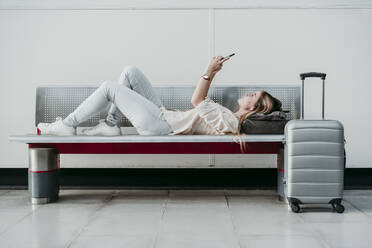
x,y
313,74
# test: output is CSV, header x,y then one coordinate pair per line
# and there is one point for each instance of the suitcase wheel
x,y
295,207
338,207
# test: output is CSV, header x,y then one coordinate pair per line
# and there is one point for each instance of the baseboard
x,y
253,178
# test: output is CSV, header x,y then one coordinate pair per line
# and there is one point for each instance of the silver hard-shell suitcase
x,y
314,159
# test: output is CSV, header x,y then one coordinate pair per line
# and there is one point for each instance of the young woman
x,y
135,98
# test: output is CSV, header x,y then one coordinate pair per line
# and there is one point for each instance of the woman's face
x,y
249,100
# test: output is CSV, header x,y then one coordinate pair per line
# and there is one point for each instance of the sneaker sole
x,y
101,134
60,134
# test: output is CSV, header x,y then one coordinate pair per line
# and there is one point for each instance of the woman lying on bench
x,y
134,97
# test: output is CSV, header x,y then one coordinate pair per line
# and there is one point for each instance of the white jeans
x,y
133,96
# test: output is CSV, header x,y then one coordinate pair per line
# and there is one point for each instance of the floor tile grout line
x,y
23,218
276,235
91,217
357,208
5,193
16,223
161,220
314,231
322,239
235,231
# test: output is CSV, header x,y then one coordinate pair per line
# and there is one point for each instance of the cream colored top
x,y
208,117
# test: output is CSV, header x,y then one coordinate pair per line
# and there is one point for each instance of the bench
x,y
60,100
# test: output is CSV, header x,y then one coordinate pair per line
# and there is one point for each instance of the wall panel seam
x,y
4,8
212,33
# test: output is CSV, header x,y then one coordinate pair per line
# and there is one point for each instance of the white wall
x,y
41,43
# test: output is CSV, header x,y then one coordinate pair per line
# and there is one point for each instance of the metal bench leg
x,y
280,169
43,175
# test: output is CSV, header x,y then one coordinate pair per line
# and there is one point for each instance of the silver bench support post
x,y
43,175
280,171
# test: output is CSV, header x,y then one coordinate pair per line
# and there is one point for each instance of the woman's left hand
x,y
215,64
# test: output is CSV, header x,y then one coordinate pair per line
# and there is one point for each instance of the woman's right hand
x,y
215,64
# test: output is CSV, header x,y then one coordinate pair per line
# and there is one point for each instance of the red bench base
x,y
162,148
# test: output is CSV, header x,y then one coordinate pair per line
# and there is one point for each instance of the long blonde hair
x,y
265,105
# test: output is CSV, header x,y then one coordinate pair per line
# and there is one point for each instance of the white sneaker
x,y
102,129
56,128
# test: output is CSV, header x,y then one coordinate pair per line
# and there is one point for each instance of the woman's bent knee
x,y
109,89
129,71
127,75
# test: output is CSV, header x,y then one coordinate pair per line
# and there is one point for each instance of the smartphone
x,y
228,56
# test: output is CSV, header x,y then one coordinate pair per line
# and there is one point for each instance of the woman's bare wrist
x,y
209,72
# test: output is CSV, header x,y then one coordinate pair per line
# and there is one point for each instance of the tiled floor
x,y
180,218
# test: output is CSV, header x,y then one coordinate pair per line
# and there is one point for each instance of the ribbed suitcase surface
x,y
314,160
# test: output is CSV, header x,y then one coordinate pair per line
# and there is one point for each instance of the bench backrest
x,y
60,100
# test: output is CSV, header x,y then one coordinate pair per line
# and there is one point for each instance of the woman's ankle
x,y
109,123
67,122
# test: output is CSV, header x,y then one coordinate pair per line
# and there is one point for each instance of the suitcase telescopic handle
x,y
311,74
